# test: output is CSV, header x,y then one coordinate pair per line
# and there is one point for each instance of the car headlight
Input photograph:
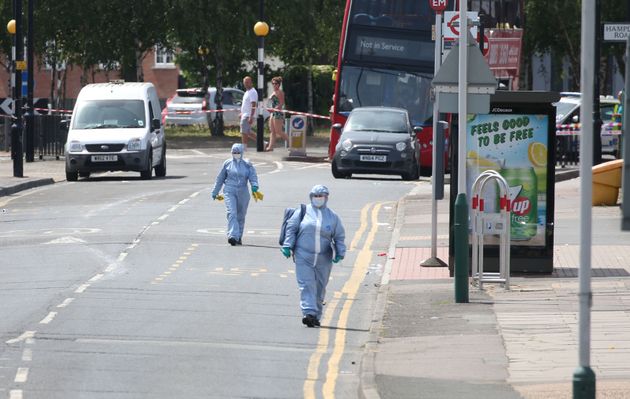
x,y
134,145
347,145
401,146
75,146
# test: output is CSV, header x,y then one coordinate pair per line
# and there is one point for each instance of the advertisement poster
x,y
514,145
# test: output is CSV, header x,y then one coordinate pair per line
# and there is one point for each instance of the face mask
x,y
237,157
318,202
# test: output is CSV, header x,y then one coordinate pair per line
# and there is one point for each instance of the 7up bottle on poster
x,y
524,202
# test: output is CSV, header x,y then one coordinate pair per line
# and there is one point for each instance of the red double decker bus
x,y
386,58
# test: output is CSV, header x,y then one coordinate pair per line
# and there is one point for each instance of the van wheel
x,y
148,172
160,170
84,174
72,176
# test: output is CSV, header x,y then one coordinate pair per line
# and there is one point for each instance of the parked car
x,y
194,106
378,140
116,126
568,112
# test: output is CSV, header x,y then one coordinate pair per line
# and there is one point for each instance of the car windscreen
x,y
563,109
109,114
377,121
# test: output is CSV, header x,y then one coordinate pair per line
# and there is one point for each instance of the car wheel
x,y
160,170
335,172
72,176
148,172
84,174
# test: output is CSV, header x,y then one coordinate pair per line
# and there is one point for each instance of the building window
x,y
164,58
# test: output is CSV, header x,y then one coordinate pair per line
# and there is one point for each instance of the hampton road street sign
x,y
616,32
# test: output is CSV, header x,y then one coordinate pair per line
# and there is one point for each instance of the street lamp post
x,y
29,116
261,29
15,27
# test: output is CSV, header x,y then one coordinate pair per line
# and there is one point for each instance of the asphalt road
x,y
116,287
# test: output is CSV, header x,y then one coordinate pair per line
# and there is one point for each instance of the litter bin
x,y
606,182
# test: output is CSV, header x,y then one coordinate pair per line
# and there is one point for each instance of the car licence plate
x,y
373,158
104,158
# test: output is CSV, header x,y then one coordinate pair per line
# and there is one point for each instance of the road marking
x,y
25,335
279,165
27,355
350,288
362,227
21,375
82,288
331,307
96,277
15,394
48,318
65,302
163,217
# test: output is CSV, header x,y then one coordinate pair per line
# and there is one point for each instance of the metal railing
x,y
50,135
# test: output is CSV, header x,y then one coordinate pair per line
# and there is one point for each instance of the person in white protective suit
x,y
317,241
233,177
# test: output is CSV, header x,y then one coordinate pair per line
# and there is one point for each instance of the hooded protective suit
x,y
233,177
316,240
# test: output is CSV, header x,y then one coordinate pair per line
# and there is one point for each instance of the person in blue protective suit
x,y
233,177
317,241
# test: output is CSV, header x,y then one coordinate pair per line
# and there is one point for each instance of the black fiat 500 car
x,y
377,140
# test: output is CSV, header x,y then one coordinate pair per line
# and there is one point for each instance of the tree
x,y
307,37
213,38
555,26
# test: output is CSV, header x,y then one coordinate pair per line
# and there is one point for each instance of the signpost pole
x,y
625,185
583,376
461,203
434,261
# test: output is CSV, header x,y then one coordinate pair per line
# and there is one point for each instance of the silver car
x,y
377,140
194,106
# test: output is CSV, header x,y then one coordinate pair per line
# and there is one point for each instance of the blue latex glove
x,y
286,252
254,189
337,259
214,197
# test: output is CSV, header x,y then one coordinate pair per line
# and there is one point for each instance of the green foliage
x,y
295,88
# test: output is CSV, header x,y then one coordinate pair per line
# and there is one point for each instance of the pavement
x,y
517,343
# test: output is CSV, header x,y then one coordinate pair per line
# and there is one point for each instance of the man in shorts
x,y
248,111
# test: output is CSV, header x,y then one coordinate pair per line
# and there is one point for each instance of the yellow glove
x,y
258,196
220,197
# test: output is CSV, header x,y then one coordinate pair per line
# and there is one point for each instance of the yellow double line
x,y
350,289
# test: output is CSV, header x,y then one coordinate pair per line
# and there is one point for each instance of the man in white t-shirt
x,y
248,111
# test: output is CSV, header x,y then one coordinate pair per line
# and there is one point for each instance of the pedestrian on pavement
x,y
276,122
248,111
317,241
233,178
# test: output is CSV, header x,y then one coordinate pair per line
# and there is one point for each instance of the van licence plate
x,y
373,158
104,158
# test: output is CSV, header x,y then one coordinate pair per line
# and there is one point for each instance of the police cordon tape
x,y
65,111
574,129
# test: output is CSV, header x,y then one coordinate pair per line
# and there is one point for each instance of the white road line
x,y
15,394
21,375
279,165
310,167
122,256
82,288
65,302
27,355
163,217
173,208
29,341
96,277
48,318
182,202
25,335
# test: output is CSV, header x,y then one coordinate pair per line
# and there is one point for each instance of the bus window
x,y
399,14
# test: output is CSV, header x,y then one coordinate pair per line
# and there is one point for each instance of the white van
x,y
116,126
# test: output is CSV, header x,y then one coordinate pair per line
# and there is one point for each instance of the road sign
x,y
617,32
450,26
438,5
20,65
